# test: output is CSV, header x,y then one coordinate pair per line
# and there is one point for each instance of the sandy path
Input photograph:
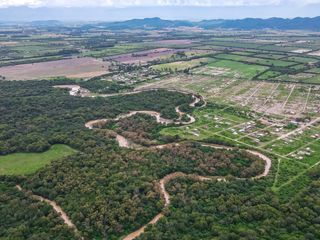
x,y
164,181
100,122
157,115
196,100
75,90
285,103
307,100
95,123
246,102
264,105
55,206
301,128
123,142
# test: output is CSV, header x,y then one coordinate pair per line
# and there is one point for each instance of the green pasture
x,y
28,163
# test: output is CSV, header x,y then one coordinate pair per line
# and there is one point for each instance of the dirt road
x,y
55,207
123,142
166,196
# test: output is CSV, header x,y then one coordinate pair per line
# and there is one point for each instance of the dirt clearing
x,y
73,68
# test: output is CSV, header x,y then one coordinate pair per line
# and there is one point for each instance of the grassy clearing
x,y
269,74
314,70
288,169
244,70
269,55
28,163
235,44
288,191
268,62
302,59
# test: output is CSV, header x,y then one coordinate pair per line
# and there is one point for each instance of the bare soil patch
x,y
8,43
73,68
177,41
302,50
316,53
144,56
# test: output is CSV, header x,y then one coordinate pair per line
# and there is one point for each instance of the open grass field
x,y
261,61
28,163
242,69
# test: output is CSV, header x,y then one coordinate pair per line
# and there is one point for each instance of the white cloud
x,y
123,3
7,3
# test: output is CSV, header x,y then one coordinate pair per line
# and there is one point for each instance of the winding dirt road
x,y
100,122
123,142
55,207
166,196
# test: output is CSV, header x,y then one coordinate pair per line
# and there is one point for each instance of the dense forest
x,y
34,115
114,194
140,128
109,192
238,210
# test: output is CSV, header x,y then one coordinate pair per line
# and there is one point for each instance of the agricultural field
x,y
71,68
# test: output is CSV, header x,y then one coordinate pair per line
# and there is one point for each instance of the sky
x,y
130,3
117,10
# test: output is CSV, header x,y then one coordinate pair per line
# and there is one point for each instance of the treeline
x,y
99,42
104,86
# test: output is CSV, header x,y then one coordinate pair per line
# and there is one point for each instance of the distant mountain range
x,y
243,24
299,23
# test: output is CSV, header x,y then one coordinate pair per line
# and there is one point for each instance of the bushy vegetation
x,y
25,218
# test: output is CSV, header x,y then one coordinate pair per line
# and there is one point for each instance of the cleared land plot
x,y
209,86
316,53
28,163
215,71
174,42
73,68
144,56
210,122
300,78
181,65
